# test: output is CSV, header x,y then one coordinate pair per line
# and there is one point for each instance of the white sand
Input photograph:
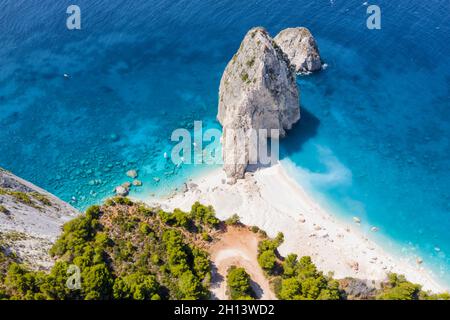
x,y
271,200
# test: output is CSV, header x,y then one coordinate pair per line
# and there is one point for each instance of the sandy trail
x,y
238,247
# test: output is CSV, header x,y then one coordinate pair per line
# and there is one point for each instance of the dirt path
x,y
238,247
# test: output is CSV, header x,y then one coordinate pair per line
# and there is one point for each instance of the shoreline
x,y
273,201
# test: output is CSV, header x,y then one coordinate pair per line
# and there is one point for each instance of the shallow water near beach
x,y
373,140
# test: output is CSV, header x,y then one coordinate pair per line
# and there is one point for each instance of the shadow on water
x,y
295,138
302,131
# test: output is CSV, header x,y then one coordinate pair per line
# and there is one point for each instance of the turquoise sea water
x,y
373,140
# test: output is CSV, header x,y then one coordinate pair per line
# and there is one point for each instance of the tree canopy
x,y
238,283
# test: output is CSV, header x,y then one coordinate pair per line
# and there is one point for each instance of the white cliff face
x,y
301,48
30,219
258,90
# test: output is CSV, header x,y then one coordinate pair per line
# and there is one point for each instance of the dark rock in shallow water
x,y
132,174
114,137
121,191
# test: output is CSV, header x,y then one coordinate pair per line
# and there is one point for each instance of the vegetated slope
x,y
126,250
123,251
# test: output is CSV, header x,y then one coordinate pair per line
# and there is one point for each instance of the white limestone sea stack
x,y
301,48
258,90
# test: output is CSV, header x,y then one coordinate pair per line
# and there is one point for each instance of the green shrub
x,y
254,229
18,196
233,220
238,283
97,282
144,228
146,212
189,286
3,209
205,215
206,236
41,198
267,260
180,218
136,286
123,201
398,288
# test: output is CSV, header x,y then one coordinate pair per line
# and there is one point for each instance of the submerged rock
x,y
132,174
301,48
121,191
258,90
126,185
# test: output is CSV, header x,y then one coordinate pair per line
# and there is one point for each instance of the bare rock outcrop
x,y
301,48
258,90
30,219
357,289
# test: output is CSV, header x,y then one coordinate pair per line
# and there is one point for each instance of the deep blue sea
x,y
373,140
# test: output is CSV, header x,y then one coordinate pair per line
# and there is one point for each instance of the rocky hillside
x,y
123,250
30,219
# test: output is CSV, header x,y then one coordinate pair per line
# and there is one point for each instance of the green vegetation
x,y
19,196
267,257
267,260
294,279
301,281
238,284
398,288
3,209
250,62
136,286
41,198
26,198
126,250
11,236
123,250
233,220
244,77
204,215
254,229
